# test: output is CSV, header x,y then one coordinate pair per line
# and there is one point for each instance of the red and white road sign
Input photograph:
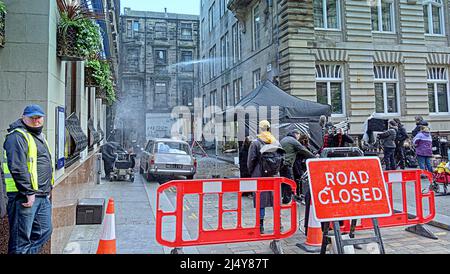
x,y
348,188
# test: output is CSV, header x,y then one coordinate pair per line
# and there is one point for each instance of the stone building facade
x,y
157,70
235,58
362,57
32,73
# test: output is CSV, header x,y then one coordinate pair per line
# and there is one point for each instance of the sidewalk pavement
x,y
135,221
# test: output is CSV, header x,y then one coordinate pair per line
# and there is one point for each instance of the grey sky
x,y
173,6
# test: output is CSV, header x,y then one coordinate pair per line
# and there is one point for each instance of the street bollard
x,y
99,167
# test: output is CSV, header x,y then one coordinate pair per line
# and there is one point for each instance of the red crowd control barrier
x,y
223,235
403,218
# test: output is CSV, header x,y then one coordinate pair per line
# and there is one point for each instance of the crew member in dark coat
x,y
400,139
419,123
29,182
254,166
292,147
243,169
109,153
304,140
388,139
3,196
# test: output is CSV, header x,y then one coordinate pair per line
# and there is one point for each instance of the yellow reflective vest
x,y
31,163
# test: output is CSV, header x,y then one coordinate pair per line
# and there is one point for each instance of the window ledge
x,y
383,32
437,114
394,115
338,115
323,29
435,35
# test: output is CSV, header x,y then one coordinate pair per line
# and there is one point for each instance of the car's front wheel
x,y
189,177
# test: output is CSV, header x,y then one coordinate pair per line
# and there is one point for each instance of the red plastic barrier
x,y
221,186
400,218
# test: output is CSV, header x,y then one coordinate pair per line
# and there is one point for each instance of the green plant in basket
x,y
2,7
2,11
76,20
101,73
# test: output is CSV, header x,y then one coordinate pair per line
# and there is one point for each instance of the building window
x,y
223,7
256,78
160,57
213,98
202,30
386,90
433,17
224,51
187,93
237,90
186,59
236,41
224,96
129,29
211,17
204,107
227,98
186,31
132,60
160,95
383,16
438,93
330,87
204,69
256,27
161,30
212,103
136,26
212,61
327,14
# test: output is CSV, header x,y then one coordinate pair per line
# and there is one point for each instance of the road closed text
x,y
346,188
339,190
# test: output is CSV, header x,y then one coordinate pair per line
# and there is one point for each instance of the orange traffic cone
x,y
314,237
107,244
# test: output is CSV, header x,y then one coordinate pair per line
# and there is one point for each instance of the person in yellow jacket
x,y
29,181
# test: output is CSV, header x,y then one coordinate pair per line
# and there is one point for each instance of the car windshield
x,y
172,148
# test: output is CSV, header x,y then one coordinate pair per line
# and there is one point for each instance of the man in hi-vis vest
x,y
29,180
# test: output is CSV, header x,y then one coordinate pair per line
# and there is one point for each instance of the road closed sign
x,y
348,188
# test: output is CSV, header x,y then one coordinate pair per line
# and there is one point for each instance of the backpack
x,y
271,159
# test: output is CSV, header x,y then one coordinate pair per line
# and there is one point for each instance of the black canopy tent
x,y
292,113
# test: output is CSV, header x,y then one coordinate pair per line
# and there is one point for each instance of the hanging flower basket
x,y
78,34
89,80
2,28
67,42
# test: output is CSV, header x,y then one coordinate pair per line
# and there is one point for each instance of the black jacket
x,y
3,197
16,148
401,134
388,138
243,156
254,168
418,126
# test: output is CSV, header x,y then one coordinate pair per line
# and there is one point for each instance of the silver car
x,y
167,157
